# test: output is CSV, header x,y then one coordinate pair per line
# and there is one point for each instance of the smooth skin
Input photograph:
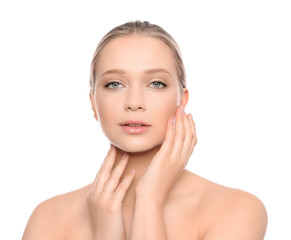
x,y
105,199
160,199
161,175
106,196
169,162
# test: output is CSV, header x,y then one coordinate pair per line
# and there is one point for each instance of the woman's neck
x,y
139,162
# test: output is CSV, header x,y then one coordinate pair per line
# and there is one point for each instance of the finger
x,y
93,185
179,134
189,135
113,181
193,127
168,143
106,170
111,146
123,186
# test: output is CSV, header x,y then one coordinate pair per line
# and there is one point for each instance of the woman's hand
x,y
105,199
170,161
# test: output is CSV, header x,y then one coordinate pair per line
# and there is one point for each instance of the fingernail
x,y
124,155
190,116
132,172
181,109
172,121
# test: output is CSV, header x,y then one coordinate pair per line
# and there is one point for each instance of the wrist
x,y
149,198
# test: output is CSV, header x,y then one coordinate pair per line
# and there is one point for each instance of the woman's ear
x,y
184,97
93,106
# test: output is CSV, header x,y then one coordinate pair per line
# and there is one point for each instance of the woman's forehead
x,y
145,72
136,53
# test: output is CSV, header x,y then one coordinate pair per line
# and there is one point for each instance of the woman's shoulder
x,y
214,193
223,207
52,217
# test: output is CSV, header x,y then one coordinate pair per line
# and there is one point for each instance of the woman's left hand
x,y
169,162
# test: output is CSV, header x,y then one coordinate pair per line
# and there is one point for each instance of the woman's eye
x,y
117,85
158,84
112,85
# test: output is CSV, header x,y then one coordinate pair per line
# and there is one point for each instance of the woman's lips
x,y
135,130
134,126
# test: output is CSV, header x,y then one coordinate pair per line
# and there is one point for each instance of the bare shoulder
x,y
52,217
229,213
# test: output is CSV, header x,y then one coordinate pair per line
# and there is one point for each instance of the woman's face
x,y
136,80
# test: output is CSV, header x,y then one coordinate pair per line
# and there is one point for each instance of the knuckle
x,y
112,207
180,137
113,180
170,139
190,134
103,202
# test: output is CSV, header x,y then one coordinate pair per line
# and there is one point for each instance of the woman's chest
x,y
180,222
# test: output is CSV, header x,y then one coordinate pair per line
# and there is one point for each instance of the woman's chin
x,y
138,148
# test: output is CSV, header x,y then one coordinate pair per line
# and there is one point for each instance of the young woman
x,y
142,191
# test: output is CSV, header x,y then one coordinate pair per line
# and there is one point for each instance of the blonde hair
x,y
139,27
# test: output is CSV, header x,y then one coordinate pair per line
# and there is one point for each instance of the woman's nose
x,y
134,100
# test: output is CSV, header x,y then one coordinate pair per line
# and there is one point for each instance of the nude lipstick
x,y
134,126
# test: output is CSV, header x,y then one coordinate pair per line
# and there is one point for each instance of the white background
x,y
237,56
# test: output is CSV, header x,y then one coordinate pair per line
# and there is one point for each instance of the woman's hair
x,y
144,28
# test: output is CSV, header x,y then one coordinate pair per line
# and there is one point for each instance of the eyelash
x,y
109,84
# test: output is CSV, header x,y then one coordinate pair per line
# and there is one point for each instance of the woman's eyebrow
x,y
157,70
149,71
112,71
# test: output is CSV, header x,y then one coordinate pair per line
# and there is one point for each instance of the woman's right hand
x,y
105,199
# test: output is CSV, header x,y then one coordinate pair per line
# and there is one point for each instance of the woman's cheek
x,y
105,114
166,107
